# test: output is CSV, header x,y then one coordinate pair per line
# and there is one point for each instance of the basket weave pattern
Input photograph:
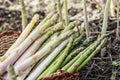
x,y
7,38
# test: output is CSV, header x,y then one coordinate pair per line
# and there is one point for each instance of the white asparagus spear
x,y
35,73
34,47
23,76
24,34
44,51
25,44
22,37
25,73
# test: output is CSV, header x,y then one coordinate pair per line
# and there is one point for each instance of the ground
x,y
102,66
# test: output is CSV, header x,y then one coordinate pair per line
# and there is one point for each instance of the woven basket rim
x,y
9,32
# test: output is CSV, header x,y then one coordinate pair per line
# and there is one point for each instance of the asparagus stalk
x,y
59,60
86,19
37,44
24,15
54,62
26,72
87,41
79,49
22,37
105,20
88,50
34,47
11,72
62,57
78,40
74,59
103,32
72,55
54,36
83,56
25,44
44,51
59,8
79,43
51,64
66,12
92,54
25,33
70,26
38,70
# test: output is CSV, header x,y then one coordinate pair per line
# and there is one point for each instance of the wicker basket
x,y
7,38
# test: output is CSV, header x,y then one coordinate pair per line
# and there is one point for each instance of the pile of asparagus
x,y
50,46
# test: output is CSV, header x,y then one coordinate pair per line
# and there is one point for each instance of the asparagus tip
x,y
54,18
36,17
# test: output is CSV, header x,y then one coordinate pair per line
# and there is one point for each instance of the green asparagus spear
x,y
92,54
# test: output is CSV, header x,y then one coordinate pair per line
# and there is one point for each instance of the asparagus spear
x,y
41,53
37,44
35,73
86,20
11,72
72,55
51,64
88,50
59,60
78,49
83,56
34,47
25,44
74,59
66,12
24,15
70,26
26,72
103,32
105,20
59,9
24,34
54,36
92,54
78,40
55,63
22,37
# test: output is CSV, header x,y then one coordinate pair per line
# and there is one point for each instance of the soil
x,y
101,66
